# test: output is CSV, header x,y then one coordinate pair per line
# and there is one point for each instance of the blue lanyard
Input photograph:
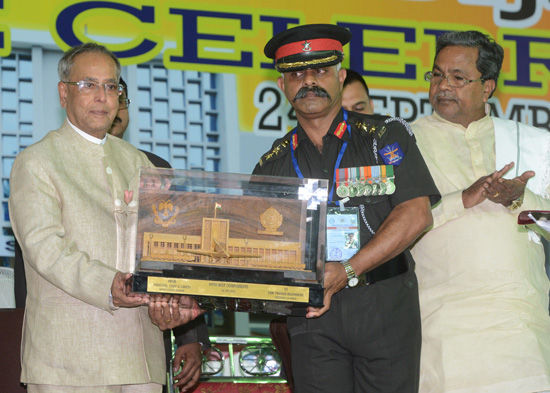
x,y
338,160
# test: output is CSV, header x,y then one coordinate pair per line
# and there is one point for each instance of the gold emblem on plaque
x,y
167,214
271,220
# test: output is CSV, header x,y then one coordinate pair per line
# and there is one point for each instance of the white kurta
x,y
483,287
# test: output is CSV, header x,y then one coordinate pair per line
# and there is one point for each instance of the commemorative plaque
x,y
233,242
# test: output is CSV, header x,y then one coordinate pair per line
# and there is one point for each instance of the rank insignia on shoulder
x,y
365,127
371,128
273,153
392,154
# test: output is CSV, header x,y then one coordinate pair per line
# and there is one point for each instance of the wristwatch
x,y
353,280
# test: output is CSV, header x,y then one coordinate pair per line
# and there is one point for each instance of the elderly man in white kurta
x,y
82,331
482,283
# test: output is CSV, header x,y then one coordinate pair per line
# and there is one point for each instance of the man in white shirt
x,y
483,288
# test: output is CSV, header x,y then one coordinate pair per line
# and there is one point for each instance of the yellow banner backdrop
x,y
392,46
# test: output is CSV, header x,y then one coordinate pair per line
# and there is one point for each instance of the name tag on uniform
x,y
342,233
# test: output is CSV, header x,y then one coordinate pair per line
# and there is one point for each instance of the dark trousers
x,y
368,342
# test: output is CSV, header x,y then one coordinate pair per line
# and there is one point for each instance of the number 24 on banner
x,y
275,114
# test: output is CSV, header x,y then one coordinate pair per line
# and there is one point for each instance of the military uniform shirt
x,y
369,134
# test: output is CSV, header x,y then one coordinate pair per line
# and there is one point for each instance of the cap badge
x,y
306,46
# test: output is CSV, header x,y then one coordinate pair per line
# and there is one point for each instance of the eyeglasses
x,y
89,87
123,103
452,80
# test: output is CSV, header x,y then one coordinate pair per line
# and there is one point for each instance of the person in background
x,y
191,338
120,124
355,96
483,287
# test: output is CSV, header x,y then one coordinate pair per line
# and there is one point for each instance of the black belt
x,y
392,268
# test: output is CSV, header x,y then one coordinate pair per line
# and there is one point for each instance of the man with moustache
x,y
483,287
366,337
355,96
82,331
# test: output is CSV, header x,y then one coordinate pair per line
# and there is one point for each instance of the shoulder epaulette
x,y
402,121
275,152
371,126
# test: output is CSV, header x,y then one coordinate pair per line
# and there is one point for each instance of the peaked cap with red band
x,y
307,46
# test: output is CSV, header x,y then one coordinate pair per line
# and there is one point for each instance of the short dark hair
x,y
124,86
354,76
65,64
490,54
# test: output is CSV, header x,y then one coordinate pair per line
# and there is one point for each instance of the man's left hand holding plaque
x,y
170,311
